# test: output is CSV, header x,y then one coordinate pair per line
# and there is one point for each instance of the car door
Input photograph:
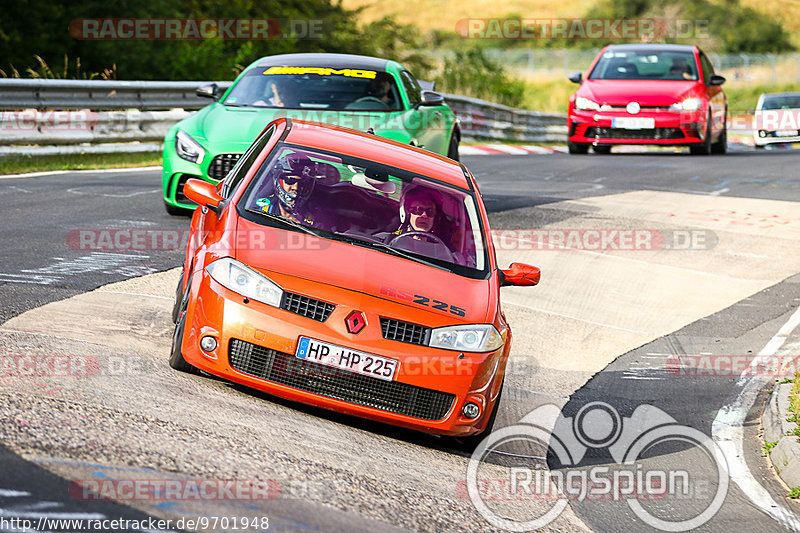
x,y
716,96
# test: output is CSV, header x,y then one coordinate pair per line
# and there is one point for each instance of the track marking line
x,y
138,294
727,431
580,319
57,172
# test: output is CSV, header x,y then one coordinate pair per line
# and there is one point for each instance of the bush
x,y
471,73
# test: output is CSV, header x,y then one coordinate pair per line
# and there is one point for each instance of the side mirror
x,y
716,79
207,91
576,78
203,193
427,85
431,98
519,274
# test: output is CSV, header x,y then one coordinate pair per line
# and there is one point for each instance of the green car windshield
x,y
316,88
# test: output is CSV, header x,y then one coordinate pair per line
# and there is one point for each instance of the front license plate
x,y
337,356
633,123
785,133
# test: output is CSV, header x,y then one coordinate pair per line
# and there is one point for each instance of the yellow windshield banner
x,y
323,71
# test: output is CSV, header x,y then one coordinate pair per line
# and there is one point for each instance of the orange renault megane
x,y
351,272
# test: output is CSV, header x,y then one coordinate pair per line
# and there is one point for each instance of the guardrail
x,y
44,117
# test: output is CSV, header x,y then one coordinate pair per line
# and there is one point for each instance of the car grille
x,y
285,369
221,165
397,330
621,133
306,306
179,196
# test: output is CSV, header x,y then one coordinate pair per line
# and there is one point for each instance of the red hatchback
x,y
659,94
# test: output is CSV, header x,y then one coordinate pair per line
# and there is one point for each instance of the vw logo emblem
x,y
632,108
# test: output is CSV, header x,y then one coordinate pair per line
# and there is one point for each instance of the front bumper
x,y
257,342
597,127
765,137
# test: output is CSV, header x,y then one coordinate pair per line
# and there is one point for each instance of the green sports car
x,y
347,90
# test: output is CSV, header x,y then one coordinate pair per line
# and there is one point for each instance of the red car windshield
x,y
316,88
645,64
368,203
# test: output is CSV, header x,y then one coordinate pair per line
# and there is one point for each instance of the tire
x,y
703,148
602,149
721,146
177,211
577,148
176,359
468,444
452,150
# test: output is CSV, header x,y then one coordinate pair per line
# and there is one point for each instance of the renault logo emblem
x,y
632,108
355,322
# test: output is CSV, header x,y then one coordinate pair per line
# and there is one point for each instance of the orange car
x,y
347,271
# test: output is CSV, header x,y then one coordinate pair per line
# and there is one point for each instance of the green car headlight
x,y
188,149
467,338
242,279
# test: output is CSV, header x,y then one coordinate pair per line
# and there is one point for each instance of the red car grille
x,y
285,369
620,133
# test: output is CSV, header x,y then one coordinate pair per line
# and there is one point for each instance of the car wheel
x,y
468,444
176,359
452,151
721,146
177,211
577,148
703,148
602,149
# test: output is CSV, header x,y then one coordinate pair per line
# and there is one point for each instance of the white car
x,y
777,119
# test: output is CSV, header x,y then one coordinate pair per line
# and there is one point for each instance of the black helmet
x,y
298,167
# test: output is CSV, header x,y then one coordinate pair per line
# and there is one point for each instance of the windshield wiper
x,y
287,221
393,251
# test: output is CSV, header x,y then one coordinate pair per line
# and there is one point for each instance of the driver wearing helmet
x,y
293,178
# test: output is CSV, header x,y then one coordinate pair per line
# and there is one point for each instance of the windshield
x,y
645,64
369,204
316,88
784,101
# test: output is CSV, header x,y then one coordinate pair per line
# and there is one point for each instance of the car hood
x,y
233,129
296,257
645,92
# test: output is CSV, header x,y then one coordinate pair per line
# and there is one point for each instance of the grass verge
x,y
21,164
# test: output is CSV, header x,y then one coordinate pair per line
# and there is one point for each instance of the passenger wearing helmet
x,y
418,212
420,222
293,178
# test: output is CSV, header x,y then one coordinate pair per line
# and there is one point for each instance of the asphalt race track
x,y
612,338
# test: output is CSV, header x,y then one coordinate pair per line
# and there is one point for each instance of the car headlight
x,y
690,104
586,104
467,338
188,149
242,279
